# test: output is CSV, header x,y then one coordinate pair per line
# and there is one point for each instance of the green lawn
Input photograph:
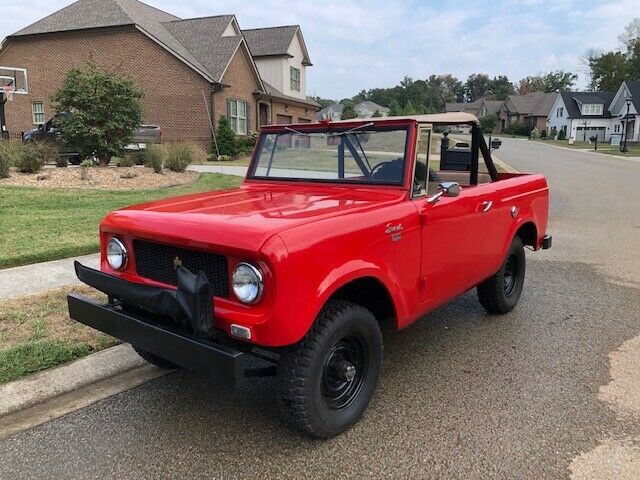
x,y
40,224
36,333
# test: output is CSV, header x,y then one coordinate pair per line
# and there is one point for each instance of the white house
x,y
627,102
365,109
582,115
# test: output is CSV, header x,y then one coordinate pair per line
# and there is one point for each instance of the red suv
x,y
338,228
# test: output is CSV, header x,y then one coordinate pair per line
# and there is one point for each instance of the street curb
x,y
43,386
580,150
508,168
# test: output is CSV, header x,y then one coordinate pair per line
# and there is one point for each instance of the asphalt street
x,y
463,394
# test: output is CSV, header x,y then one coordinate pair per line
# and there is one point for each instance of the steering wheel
x,y
373,170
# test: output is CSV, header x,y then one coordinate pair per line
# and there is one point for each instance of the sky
x,y
364,44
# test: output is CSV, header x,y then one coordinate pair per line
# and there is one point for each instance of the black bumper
x,y
205,358
546,242
148,328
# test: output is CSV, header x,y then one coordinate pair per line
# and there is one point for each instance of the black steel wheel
x,y
328,379
501,293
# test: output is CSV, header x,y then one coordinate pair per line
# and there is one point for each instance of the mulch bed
x,y
106,178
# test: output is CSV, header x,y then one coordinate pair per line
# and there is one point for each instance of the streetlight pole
x,y
625,131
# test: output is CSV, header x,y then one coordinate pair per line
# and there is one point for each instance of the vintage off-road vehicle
x,y
338,228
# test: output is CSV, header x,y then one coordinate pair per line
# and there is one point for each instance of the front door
x,y
456,242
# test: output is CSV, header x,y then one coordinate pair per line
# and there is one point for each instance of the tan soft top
x,y
442,118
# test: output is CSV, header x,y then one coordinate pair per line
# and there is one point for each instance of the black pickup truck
x,y
49,132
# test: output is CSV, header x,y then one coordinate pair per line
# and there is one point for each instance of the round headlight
x,y
247,283
116,254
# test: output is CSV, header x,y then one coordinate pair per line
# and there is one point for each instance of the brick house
x,y
191,71
532,109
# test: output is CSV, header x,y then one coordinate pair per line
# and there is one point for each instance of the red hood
x,y
246,217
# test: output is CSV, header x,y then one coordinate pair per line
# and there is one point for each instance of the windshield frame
x,y
326,127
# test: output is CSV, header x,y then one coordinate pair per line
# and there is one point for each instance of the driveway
x,y
533,394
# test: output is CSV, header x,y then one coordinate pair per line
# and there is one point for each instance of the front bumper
x,y
151,328
208,359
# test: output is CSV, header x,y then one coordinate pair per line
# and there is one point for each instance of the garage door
x,y
581,135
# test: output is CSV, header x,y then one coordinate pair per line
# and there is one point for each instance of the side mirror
x,y
447,189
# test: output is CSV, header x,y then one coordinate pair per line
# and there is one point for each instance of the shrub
x,y
543,134
519,128
488,123
7,157
226,138
62,161
182,155
562,135
85,167
535,134
29,158
154,157
245,145
89,92
129,160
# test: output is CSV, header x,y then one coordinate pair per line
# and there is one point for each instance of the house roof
x,y
537,104
463,106
492,106
572,101
274,92
634,89
372,106
274,41
335,107
197,42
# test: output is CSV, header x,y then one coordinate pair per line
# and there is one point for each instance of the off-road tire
x,y
500,293
302,372
156,360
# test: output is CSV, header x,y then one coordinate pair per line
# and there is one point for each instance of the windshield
x,y
365,154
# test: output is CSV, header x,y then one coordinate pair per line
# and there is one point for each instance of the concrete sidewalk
x,y
238,171
39,277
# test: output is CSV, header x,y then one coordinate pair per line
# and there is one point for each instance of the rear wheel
x,y
501,292
328,379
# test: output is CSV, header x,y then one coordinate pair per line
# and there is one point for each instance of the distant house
x,y
365,109
582,115
629,90
480,108
532,109
368,108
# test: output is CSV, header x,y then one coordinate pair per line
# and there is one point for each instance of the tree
x,y
226,138
101,111
395,109
409,109
607,70
348,112
555,81
324,102
476,86
633,63
488,123
500,88
630,36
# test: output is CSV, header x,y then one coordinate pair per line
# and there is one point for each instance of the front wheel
x,y
500,293
328,379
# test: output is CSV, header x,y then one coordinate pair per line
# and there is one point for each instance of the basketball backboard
x,y
13,81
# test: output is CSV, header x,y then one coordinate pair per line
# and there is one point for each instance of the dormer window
x,y
295,79
592,109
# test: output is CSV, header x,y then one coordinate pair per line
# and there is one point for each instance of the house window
x,y
592,109
237,112
37,110
560,112
295,79
616,128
